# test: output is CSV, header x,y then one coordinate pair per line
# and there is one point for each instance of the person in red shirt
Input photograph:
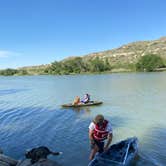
x,y
100,130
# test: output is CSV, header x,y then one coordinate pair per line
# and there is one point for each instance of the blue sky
x,y
36,32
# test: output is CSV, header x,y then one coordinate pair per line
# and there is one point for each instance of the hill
x,y
130,53
124,58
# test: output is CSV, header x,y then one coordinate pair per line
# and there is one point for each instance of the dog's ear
x,y
30,153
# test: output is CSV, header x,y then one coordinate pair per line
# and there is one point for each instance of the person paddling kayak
x,y
100,130
86,98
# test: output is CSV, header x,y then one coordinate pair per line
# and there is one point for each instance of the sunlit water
x,y
31,114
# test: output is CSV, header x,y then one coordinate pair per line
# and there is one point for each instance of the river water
x,y
31,114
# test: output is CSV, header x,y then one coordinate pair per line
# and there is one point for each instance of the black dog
x,y
41,152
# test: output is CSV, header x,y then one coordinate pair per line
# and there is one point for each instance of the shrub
x,y
8,72
149,63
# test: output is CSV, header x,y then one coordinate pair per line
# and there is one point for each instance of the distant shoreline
x,y
113,71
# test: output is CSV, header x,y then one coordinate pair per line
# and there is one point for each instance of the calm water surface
x,y
31,114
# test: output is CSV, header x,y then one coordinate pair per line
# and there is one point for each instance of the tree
x,y
98,65
149,63
55,68
8,72
78,65
75,65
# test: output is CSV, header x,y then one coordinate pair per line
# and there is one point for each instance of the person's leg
x,y
94,150
100,146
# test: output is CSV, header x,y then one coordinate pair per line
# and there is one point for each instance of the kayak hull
x,y
119,154
92,103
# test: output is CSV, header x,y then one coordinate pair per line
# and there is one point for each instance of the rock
x,y
4,163
41,162
7,160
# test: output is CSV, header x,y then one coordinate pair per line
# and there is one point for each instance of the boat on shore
x,y
91,103
119,154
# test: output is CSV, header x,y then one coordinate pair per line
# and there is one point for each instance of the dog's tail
x,y
56,153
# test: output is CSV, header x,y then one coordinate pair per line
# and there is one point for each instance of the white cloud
x,y
6,54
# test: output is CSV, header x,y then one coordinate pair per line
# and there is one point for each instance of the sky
x,y
34,32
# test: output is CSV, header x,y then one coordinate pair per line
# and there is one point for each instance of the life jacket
x,y
100,133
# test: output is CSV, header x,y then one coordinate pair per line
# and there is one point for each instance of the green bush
x,y
22,72
149,63
98,65
8,72
77,65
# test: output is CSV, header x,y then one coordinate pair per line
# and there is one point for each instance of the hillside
x,y
32,70
118,59
130,53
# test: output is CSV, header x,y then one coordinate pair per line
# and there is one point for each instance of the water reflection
x,y
86,110
78,110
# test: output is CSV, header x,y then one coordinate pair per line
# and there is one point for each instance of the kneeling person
x,y
100,130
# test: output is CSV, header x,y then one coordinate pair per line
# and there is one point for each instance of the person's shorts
x,y
100,145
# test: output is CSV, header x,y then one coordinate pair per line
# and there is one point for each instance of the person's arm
x,y
86,100
110,135
91,136
91,128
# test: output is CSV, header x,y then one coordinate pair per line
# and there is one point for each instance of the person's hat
x,y
99,118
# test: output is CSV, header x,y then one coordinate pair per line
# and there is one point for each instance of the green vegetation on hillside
x,y
126,58
77,65
149,63
8,72
34,70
